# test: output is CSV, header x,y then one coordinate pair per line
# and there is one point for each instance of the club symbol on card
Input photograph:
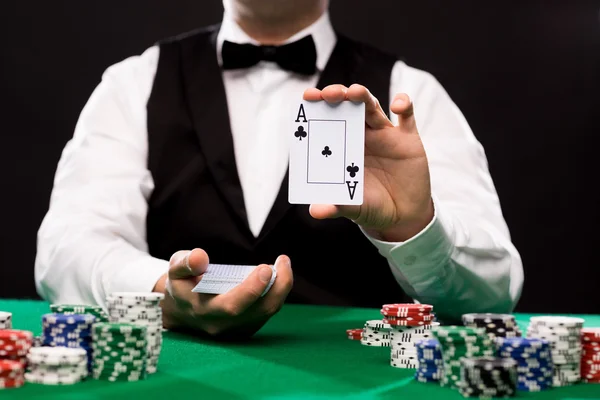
x,y
352,170
300,133
326,151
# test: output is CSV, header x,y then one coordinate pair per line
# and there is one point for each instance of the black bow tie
x,y
299,56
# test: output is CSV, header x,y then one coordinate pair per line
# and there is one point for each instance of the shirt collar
x,y
321,31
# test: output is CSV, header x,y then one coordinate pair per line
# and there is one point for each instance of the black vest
x,y
198,199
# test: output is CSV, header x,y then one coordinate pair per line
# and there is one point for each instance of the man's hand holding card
x,y
327,153
347,159
234,301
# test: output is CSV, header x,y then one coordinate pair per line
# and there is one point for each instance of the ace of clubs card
x,y
327,152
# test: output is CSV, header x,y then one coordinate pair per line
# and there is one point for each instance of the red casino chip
x,y
403,313
591,349
13,354
15,334
406,308
17,359
589,361
590,355
590,367
590,374
17,342
405,322
590,334
354,331
18,373
584,380
20,345
10,365
590,344
17,345
11,383
354,334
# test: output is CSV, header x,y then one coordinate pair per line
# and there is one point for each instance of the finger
x,y
312,94
329,211
334,93
272,302
375,117
402,106
186,264
235,302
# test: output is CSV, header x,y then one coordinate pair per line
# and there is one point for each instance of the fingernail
x,y
265,274
284,260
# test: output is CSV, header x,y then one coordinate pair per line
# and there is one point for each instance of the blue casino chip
x,y
72,331
431,363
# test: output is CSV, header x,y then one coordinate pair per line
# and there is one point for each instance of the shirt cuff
x,y
423,259
138,276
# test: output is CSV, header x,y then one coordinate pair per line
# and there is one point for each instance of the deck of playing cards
x,y
327,152
221,278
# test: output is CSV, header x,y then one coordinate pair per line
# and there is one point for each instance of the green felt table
x,y
302,353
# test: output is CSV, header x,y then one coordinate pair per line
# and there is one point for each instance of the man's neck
x,y
274,30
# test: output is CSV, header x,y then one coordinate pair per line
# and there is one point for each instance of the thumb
x,y
241,297
324,211
402,106
186,264
330,211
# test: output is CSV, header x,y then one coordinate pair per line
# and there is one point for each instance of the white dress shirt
x,y
93,239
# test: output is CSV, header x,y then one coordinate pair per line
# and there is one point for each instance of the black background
x,y
526,74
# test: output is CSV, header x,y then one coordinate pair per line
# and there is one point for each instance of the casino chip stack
x,y
120,352
376,333
72,331
487,377
590,355
407,314
564,335
458,342
533,359
11,374
431,363
57,365
141,309
354,334
5,320
402,342
70,309
409,323
14,345
495,325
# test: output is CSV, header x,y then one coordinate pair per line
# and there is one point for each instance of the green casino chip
x,y
70,309
457,330
458,343
118,328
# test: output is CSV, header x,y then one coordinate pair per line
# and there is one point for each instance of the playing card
x,y
221,278
327,151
